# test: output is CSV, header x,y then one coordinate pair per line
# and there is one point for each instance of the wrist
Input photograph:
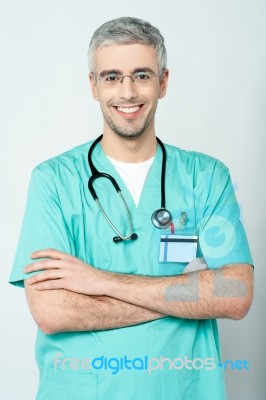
x,y
111,284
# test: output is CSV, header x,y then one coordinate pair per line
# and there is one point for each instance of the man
x,y
131,316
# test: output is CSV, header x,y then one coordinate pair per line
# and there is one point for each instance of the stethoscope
x,y
160,218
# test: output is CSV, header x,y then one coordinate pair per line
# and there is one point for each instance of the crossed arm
x,y
70,295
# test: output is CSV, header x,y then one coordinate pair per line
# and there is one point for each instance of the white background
x,y
215,104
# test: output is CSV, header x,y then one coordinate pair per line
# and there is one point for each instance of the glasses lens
x,y
109,80
143,78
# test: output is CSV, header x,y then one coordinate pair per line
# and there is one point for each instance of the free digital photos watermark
x,y
145,363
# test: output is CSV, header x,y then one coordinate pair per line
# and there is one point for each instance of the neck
x,y
129,150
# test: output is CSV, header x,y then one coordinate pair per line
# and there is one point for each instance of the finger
x,y
51,284
43,265
45,276
51,253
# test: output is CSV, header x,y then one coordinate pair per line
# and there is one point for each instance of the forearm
x,y
224,293
102,313
64,311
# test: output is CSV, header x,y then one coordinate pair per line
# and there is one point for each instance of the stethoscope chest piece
x,y
161,218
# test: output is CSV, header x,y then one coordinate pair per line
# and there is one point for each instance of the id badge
x,y
178,248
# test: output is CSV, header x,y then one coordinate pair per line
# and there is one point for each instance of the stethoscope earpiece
x,y
118,239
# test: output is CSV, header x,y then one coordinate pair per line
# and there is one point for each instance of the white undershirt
x,y
133,175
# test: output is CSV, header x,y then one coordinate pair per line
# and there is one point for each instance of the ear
x,y
164,83
93,87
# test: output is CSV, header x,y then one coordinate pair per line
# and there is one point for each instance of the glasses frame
x,y
121,78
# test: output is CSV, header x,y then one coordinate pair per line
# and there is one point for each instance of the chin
x,y
129,136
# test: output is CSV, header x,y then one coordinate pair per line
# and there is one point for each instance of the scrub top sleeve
x,y
222,237
43,224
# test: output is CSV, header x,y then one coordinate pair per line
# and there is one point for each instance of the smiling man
x,y
131,316
129,97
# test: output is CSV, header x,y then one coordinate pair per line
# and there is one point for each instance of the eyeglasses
x,y
140,78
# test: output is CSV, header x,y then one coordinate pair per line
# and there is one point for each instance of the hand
x,y
63,271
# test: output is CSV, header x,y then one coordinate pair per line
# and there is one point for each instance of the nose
x,y
127,88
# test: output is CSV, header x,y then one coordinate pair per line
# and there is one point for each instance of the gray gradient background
x,y
215,104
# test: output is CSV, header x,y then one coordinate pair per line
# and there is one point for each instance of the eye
x,y
111,78
142,76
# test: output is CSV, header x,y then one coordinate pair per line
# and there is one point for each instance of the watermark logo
x,y
222,287
235,365
148,364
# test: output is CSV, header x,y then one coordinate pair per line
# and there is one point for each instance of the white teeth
x,y
128,110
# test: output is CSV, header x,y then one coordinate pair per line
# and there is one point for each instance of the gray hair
x,y
127,30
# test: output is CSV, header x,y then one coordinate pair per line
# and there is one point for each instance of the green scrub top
x,y
62,214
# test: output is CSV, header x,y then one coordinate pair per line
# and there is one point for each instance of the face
x,y
128,108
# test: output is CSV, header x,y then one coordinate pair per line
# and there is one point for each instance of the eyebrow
x,y
118,72
108,72
144,69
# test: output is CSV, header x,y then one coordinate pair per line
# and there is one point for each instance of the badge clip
x,y
183,219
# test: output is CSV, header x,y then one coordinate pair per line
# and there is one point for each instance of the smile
x,y
129,110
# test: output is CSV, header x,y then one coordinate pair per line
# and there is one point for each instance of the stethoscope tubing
x,y
128,237
158,217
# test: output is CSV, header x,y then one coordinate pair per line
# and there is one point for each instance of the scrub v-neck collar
x,y
151,190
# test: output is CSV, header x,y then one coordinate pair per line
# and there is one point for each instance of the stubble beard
x,y
129,131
